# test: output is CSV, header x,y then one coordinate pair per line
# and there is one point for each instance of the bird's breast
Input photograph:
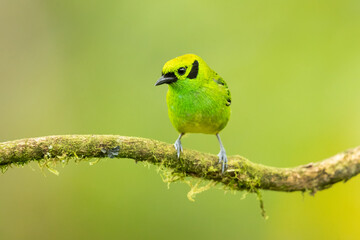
x,y
197,112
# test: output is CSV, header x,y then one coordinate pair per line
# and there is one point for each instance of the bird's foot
x,y
178,147
223,159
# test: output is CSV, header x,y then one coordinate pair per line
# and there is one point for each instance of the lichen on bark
x,y
240,175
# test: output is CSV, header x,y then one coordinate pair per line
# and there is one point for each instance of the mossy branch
x,y
241,174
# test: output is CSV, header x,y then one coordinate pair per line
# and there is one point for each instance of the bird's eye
x,y
182,71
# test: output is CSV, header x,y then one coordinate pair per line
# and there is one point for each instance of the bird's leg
x,y
178,146
222,155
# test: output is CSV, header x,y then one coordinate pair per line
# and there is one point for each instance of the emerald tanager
x,y
198,99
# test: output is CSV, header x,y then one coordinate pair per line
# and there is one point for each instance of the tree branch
x,y
241,174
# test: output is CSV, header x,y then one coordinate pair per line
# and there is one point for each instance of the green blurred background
x,y
89,67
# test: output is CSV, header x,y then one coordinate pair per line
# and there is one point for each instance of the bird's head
x,y
181,69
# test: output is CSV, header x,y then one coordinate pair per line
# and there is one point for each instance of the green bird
x,y
198,99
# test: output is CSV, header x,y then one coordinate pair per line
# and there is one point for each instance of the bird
x,y
198,100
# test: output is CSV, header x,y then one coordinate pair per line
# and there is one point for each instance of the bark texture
x,y
241,173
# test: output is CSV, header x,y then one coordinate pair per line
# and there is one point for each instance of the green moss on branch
x,y
241,174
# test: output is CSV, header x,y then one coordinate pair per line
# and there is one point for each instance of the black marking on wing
x,y
228,98
221,82
194,70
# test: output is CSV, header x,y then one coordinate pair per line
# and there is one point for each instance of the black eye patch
x,y
194,70
182,71
170,75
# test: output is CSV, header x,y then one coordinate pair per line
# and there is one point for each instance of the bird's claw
x,y
178,147
223,159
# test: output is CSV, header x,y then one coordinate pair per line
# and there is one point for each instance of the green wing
x,y
221,82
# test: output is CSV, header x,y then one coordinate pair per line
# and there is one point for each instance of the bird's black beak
x,y
167,78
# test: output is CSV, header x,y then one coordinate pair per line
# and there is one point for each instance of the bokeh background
x,y
89,67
